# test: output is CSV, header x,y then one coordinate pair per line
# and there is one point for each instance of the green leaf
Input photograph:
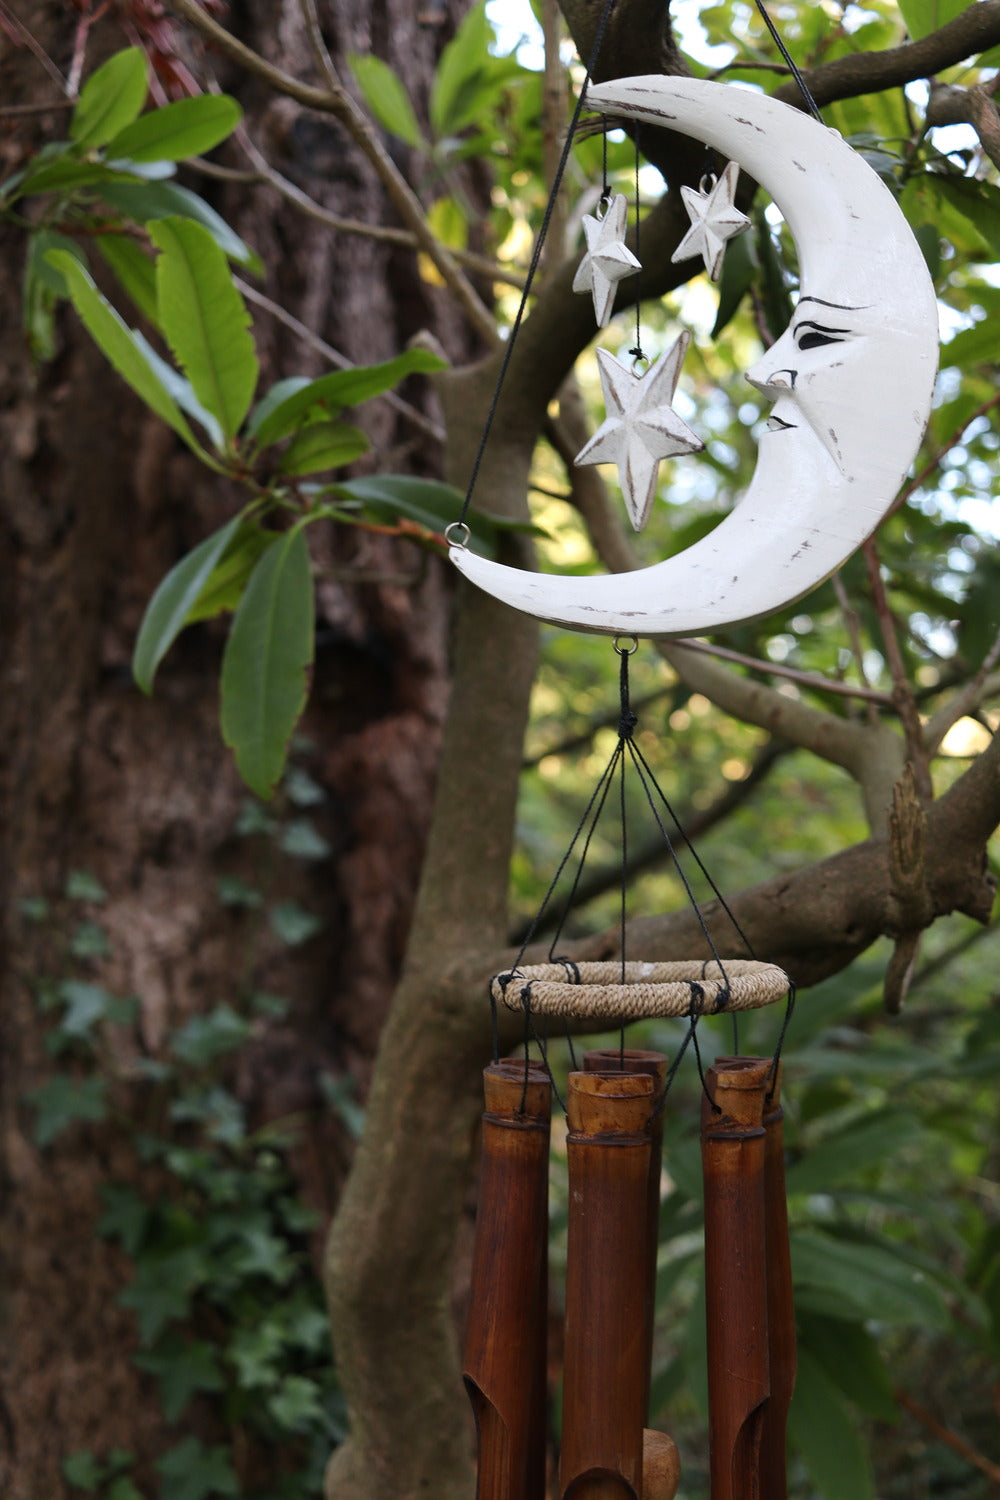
x,y
273,420
119,345
739,267
205,1038
297,1403
205,320
190,1471
89,940
43,287
267,660
822,1430
133,269
145,203
224,589
849,1356
183,1367
324,445
924,16
63,1101
162,1289
843,1278
188,127
300,839
83,1470
843,1154
386,97
83,885
293,924
86,1004
126,1216
175,597
111,98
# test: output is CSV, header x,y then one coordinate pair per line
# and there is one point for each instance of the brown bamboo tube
x,y
780,1299
604,1385
732,1144
780,1302
638,1060
504,1367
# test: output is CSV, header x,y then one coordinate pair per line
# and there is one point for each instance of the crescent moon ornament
x,y
851,379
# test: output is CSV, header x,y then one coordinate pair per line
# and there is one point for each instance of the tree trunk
x,y
97,501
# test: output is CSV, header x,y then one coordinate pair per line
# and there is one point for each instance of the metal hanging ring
x,y
452,537
626,650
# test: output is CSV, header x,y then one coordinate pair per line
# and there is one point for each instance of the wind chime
x,y
851,380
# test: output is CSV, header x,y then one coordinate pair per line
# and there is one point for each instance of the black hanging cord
x,y
810,102
536,256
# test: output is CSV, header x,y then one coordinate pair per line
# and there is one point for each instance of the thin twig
x,y
341,361
264,172
337,103
968,697
794,674
945,1435
24,36
928,469
902,694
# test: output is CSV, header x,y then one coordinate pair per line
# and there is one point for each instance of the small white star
x,y
714,220
641,426
608,259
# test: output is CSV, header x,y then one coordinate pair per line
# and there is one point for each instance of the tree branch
x,y
337,103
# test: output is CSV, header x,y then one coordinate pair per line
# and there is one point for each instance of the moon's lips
x,y
852,379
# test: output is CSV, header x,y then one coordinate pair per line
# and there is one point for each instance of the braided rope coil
x,y
684,988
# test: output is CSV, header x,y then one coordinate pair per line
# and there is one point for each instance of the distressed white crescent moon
x,y
851,377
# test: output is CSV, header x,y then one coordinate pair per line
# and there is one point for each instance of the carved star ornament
x,y
641,426
714,219
608,259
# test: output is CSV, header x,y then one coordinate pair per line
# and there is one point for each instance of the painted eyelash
x,y
815,336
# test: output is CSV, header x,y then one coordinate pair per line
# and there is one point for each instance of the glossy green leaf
x,y
223,590
111,98
826,1436
924,16
324,445
188,127
175,597
844,1153
63,174
190,1471
467,76
386,97
119,345
329,394
133,269
146,202
183,393
266,663
840,1277
849,1356
205,320
43,287
739,267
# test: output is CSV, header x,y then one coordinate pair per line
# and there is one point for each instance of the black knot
x,y
626,724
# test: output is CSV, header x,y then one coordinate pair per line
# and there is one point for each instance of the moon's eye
x,y
814,335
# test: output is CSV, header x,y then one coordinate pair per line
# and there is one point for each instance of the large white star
x,y
714,220
641,426
608,259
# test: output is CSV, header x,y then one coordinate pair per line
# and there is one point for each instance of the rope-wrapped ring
x,y
683,988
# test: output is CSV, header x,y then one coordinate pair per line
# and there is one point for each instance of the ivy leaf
x,y
293,923
119,345
266,662
205,319
182,1367
111,98
190,1471
186,128
175,597
64,1100
386,97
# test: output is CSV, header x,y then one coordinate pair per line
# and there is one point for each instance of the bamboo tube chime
x,y
614,1146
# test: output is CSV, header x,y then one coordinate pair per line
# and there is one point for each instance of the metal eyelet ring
x,y
626,650
457,534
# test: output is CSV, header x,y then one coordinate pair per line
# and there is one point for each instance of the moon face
x,y
851,379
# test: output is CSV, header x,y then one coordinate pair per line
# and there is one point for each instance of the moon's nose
x,y
771,382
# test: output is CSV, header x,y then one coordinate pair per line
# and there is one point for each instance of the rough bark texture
x,y
96,503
